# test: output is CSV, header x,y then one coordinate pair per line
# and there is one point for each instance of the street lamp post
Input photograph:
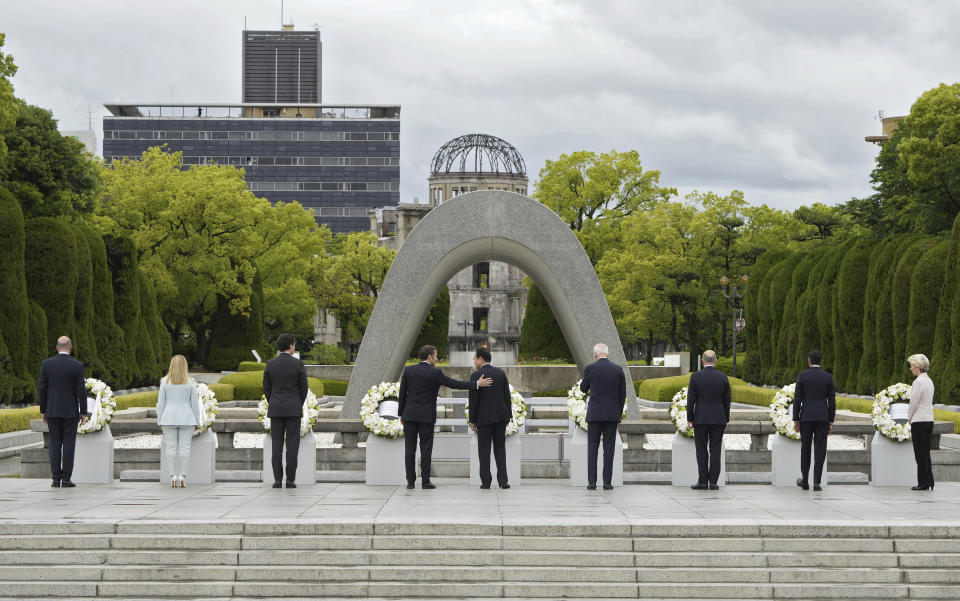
x,y
465,324
734,296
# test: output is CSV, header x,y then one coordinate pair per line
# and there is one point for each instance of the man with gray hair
x,y
708,411
604,381
63,404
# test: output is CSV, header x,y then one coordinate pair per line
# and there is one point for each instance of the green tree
x,y
122,261
927,280
37,350
791,321
876,276
84,340
820,222
49,173
849,300
591,192
778,281
808,332
435,329
540,335
353,280
884,327
8,102
900,304
753,299
233,336
111,343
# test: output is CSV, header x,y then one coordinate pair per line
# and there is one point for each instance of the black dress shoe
x,y
55,484
816,488
504,486
428,486
485,486
712,486
699,486
591,487
278,484
67,484
411,485
608,487
291,485
803,484
921,487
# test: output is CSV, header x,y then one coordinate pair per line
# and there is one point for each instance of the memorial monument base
x,y
785,462
514,451
891,462
93,458
306,460
384,461
578,460
203,460
683,459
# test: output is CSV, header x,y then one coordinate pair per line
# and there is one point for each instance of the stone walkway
x,y
454,501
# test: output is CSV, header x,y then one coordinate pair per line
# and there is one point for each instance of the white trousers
x,y
176,445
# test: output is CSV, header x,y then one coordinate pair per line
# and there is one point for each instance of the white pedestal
x,y
306,460
514,451
384,461
93,458
578,460
891,462
683,459
785,462
203,460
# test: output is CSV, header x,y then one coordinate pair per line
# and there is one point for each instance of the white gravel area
x,y
241,440
741,442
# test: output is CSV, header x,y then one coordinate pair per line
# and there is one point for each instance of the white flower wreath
x,y
882,421
370,411
208,407
678,413
518,409
100,404
780,412
311,409
577,404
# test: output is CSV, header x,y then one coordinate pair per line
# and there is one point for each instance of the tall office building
x,y
282,66
339,161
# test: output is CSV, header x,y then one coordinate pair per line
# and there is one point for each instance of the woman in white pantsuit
x,y
178,414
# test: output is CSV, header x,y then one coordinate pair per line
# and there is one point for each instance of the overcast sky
x,y
769,97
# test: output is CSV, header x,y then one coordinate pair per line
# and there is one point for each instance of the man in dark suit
x,y
417,406
708,411
285,386
63,405
814,409
604,381
490,412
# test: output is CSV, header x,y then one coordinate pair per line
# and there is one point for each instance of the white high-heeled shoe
x,y
173,481
183,482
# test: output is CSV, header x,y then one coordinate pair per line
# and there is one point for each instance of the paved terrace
x,y
454,501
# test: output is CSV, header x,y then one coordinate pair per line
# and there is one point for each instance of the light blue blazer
x,y
178,405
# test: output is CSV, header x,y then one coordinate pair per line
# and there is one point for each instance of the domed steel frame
x,y
482,153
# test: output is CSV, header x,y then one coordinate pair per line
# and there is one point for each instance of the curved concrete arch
x,y
481,226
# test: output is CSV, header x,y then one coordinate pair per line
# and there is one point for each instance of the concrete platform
x,y
456,502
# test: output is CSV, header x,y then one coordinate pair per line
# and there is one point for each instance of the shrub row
x,y
248,385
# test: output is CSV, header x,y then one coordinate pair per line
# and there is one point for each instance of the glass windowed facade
x,y
339,162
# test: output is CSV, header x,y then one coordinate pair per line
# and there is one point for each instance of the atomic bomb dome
x,y
476,162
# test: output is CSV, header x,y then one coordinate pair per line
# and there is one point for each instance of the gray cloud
x,y
768,97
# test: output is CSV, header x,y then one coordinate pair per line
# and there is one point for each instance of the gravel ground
x,y
244,440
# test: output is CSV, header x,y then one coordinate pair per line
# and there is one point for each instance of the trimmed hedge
x,y
725,364
248,385
111,345
753,367
232,336
84,344
851,287
14,420
924,306
334,387
122,260
224,393
786,360
51,272
900,304
37,325
251,366
16,379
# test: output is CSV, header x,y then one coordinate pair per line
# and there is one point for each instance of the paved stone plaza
x,y
454,501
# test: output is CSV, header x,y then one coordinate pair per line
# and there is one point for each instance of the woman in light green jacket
x,y
178,414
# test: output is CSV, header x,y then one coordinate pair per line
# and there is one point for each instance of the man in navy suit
x,y
708,411
417,405
604,381
814,409
285,387
490,412
63,405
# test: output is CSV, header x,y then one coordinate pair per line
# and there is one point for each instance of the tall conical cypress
x,y
111,343
900,305
16,380
51,272
753,302
790,320
85,344
866,372
925,301
884,327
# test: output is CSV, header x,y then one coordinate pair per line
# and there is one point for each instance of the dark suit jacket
x,y
708,398
62,388
814,398
285,386
490,405
604,381
417,400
